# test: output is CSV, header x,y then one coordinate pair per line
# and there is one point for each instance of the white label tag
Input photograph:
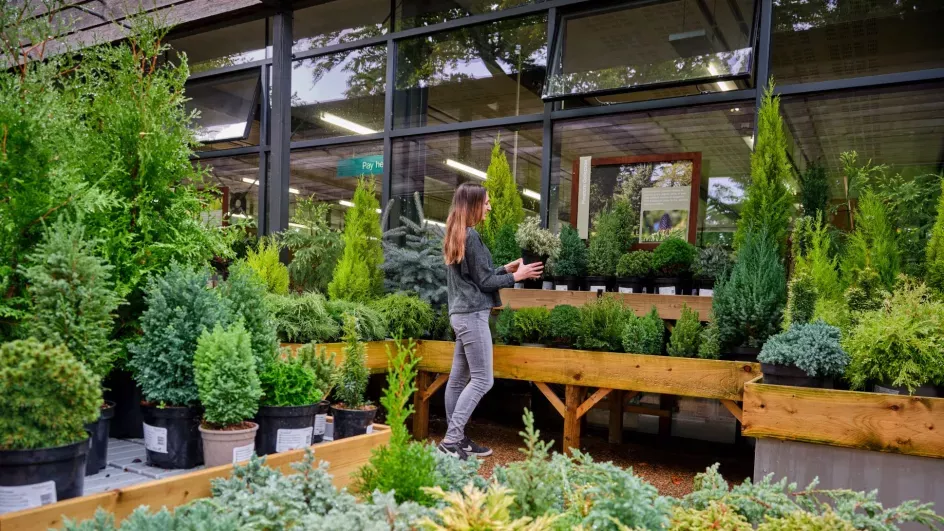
x,y
597,288
547,285
561,287
626,290
519,285
667,290
370,429
320,421
886,390
292,439
243,453
155,439
706,292
27,496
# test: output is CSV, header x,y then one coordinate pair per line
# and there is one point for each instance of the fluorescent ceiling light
x,y
466,169
293,191
297,225
725,86
255,182
532,194
346,124
434,222
347,204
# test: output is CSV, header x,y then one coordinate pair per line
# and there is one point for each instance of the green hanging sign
x,y
357,166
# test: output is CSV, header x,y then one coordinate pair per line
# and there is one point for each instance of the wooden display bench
x,y
900,424
345,457
376,352
668,306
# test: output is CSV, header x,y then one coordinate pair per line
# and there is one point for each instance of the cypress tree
x,y
507,208
935,249
357,276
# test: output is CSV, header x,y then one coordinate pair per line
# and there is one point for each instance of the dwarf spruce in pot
x,y
632,272
225,372
643,335
353,414
672,262
806,355
537,244
571,263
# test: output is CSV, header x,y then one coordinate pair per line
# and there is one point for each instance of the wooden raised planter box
x,y
376,353
901,424
668,306
345,456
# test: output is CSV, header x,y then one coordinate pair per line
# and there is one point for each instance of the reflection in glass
x,y
239,177
419,13
231,45
661,43
339,22
330,175
226,105
487,71
339,94
818,40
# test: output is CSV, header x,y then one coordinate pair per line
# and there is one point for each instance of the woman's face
x,y
486,208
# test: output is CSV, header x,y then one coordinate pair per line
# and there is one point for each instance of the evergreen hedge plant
x,y
353,374
686,335
405,316
564,324
246,294
302,318
370,325
602,321
532,324
289,380
572,259
505,326
507,207
643,335
267,264
225,371
673,257
935,250
358,276
634,264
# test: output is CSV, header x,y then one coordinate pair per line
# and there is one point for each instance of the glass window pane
x,y
658,43
435,165
339,94
227,106
419,13
620,148
330,175
819,40
338,22
486,71
238,178
231,45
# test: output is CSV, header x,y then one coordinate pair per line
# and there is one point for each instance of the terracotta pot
x,y
225,447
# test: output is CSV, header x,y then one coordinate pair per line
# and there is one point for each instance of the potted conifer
x,y
712,263
537,245
672,261
225,372
353,415
571,264
806,355
325,369
632,272
290,402
610,240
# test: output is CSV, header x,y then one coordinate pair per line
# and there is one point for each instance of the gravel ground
x,y
669,465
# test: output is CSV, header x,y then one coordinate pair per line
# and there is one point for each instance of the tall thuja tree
x,y
246,294
358,276
507,208
413,259
872,245
767,202
935,250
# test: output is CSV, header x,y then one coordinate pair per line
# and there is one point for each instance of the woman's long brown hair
x,y
466,210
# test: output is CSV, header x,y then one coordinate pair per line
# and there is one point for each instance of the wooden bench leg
x,y
616,416
421,406
666,402
573,397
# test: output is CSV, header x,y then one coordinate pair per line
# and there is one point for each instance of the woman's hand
x,y
513,266
529,271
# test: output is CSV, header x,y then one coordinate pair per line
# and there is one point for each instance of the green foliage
x,y
564,324
48,396
225,371
302,318
717,516
532,237
406,316
353,373
315,246
288,380
370,325
902,343
505,249
685,337
709,347
357,276
801,301
634,264
442,328
813,348
674,257
505,326
814,190
417,264
767,202
474,508
265,261
713,262
602,321
814,256
321,363
834,313
800,521
611,238
532,325
246,294
643,335
748,305
180,308
572,259
73,297
872,244
507,208
935,250
865,293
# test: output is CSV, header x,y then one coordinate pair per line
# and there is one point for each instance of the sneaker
x,y
453,449
471,448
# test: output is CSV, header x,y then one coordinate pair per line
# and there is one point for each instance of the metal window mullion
x,y
228,69
763,56
465,126
544,205
279,167
650,105
386,182
864,82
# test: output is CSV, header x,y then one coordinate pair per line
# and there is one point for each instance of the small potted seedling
x,y
632,272
353,414
537,245
672,261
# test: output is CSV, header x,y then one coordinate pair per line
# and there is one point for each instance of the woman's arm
x,y
484,276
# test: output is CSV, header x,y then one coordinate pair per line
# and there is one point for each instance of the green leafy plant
x,y
814,190
371,326
265,261
442,328
505,249
801,301
602,321
767,202
532,237
74,299
180,308
674,257
865,293
935,250
225,371
748,305
415,265
716,516
288,380
246,294
900,344
322,364
315,246
634,264
572,259
872,244
532,324
686,336
713,262
813,348
709,347
48,396
814,257
357,276
353,374
301,318
505,326
507,208
407,316
474,508
643,335
611,238
564,324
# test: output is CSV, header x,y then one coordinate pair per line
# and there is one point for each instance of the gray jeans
x,y
471,375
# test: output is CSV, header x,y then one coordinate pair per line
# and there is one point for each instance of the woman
x,y
473,286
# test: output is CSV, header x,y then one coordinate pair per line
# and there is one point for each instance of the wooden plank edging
x,y
668,306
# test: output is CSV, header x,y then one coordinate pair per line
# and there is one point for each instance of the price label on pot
x,y
27,496
155,439
597,288
292,439
370,429
561,287
706,292
667,290
320,421
626,290
243,453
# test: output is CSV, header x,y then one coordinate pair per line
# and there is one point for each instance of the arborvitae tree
x,y
358,276
611,238
873,243
572,260
268,266
814,190
505,249
415,265
507,208
935,250
246,294
767,202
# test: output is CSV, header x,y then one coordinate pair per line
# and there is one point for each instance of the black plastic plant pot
x,y
351,422
703,287
598,284
32,478
889,389
284,428
789,375
631,285
567,283
172,436
121,389
669,286
741,354
528,257
321,421
98,453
